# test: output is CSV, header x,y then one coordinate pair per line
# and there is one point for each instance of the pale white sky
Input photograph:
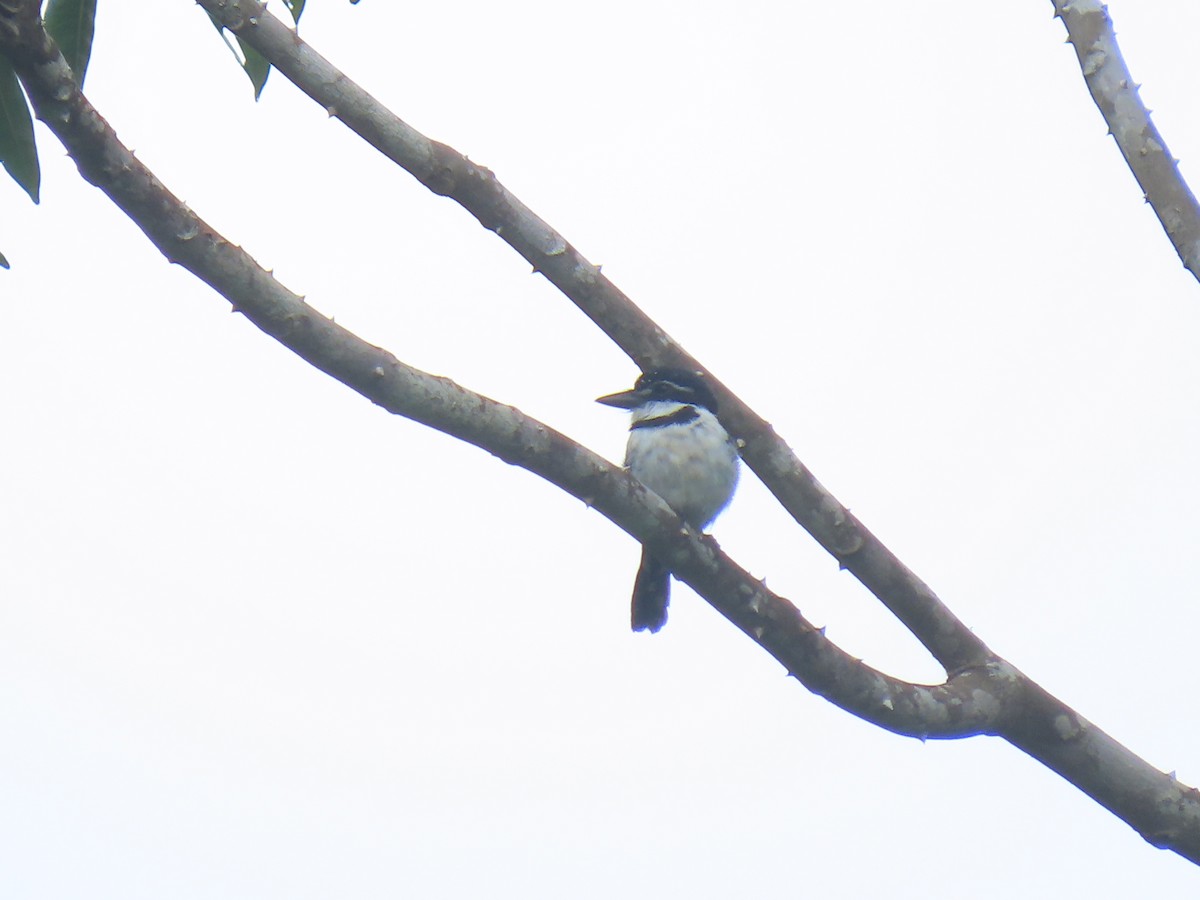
x,y
259,639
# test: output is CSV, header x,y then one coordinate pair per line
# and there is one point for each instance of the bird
x,y
679,450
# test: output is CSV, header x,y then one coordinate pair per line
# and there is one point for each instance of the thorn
x,y
378,372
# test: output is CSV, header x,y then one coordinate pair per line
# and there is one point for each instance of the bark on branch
x,y
1090,32
983,694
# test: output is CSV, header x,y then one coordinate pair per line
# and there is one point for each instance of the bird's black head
x,y
679,385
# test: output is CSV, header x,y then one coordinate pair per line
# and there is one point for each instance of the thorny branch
x,y
447,172
983,694
1090,32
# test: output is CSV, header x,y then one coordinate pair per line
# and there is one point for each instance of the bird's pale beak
x,y
623,400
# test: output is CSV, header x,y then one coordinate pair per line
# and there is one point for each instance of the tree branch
x,y
447,172
1090,32
969,704
991,697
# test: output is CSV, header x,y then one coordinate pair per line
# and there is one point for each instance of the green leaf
x,y
252,62
256,67
72,23
296,8
18,152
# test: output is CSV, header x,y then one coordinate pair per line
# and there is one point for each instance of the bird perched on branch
x,y
679,450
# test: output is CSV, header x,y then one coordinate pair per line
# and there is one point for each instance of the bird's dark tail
x,y
651,594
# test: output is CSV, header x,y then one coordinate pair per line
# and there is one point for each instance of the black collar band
x,y
678,417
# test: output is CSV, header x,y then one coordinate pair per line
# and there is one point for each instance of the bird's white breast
x,y
692,465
